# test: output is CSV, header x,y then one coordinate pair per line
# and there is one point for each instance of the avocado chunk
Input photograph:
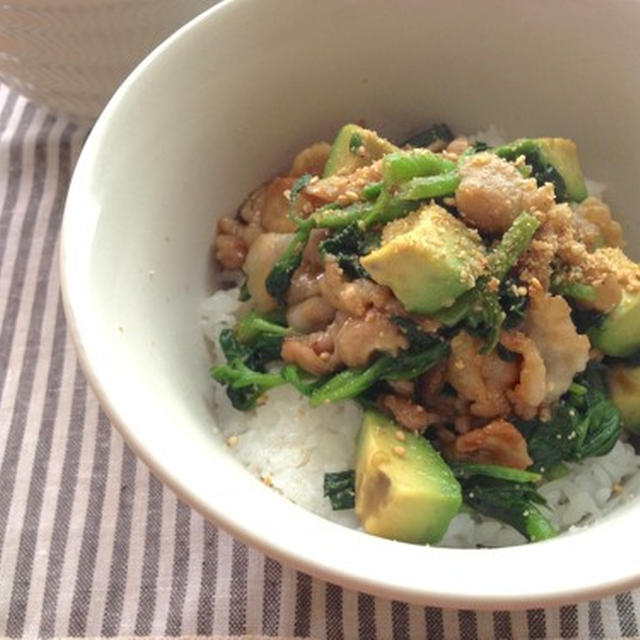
x,y
624,387
562,153
427,259
355,147
404,489
619,334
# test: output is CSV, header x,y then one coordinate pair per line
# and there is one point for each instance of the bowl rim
x,y
611,577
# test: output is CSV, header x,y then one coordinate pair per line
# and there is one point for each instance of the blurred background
x,y
71,55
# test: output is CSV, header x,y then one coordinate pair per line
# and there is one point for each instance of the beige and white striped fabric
x,y
91,544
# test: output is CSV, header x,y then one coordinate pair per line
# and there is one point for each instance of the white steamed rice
x,y
291,446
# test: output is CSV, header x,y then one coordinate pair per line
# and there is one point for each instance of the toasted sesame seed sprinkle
x,y
232,441
400,435
401,452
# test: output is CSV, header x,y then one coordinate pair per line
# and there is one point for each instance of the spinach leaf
x,y
408,364
340,488
439,134
255,342
585,319
347,245
515,503
512,302
585,423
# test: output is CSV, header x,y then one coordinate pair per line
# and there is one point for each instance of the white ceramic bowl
x,y
222,106
71,55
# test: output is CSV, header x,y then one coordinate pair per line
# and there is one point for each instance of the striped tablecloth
x,y
91,544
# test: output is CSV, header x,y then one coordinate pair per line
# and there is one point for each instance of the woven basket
x,y
70,55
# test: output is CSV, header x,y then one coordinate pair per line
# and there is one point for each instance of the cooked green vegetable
x,y
386,209
277,282
425,188
340,488
542,170
352,382
436,135
347,245
249,347
480,307
575,290
512,245
515,503
244,373
584,423
507,495
253,326
336,218
373,190
402,166
468,470
514,301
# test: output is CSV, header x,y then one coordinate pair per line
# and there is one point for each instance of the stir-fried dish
x,y
474,300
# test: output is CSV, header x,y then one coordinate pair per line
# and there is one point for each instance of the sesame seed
x,y
400,435
401,452
232,441
267,479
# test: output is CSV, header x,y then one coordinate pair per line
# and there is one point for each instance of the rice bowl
x,y
135,331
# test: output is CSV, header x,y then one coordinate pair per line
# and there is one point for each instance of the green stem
x,y
537,526
401,166
425,188
514,150
372,191
337,218
347,384
512,245
251,325
386,209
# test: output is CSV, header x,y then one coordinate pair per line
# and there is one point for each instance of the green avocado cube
x,y
619,334
404,489
355,147
562,153
427,259
624,388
